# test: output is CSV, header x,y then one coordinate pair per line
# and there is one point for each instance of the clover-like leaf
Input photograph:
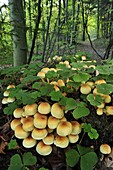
x,y
71,104
29,159
105,88
12,144
72,157
15,162
80,112
79,77
55,95
88,161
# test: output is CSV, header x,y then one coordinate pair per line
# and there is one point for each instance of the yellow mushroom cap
x,y
10,86
61,141
99,111
105,149
41,74
100,81
20,133
29,142
6,93
66,62
56,88
30,109
45,69
40,121
85,89
39,134
107,98
91,84
54,83
44,108
53,69
14,123
64,128
53,122
28,124
49,139
4,100
10,99
17,113
43,149
61,83
73,138
57,111
76,128
101,105
109,110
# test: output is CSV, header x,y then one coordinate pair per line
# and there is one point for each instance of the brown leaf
x,y
2,147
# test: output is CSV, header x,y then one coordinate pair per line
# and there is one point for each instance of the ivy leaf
x,y
105,88
72,157
94,100
79,77
15,162
71,104
29,159
55,95
93,134
88,161
80,112
12,144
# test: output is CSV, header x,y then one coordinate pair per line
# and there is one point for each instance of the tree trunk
x,y
19,32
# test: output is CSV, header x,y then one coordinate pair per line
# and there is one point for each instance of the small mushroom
x,y
105,149
57,111
30,109
61,141
44,108
64,128
43,149
29,142
39,134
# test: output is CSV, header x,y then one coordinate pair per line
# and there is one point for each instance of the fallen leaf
x,y
2,147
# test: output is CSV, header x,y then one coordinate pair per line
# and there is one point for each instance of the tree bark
x,y
17,16
35,31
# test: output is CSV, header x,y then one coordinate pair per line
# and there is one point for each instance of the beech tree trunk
x,y
19,32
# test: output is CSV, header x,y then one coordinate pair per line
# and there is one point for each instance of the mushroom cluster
x,y
6,98
44,125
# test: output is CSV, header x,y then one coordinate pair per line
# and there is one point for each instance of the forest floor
x,y
6,155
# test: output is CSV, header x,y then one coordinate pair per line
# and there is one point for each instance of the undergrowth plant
x,y
86,87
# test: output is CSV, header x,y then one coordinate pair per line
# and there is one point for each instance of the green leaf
x,y
15,162
11,107
71,104
37,85
63,100
93,134
29,159
45,90
42,168
104,69
55,95
83,150
81,77
88,161
105,88
94,100
12,144
72,157
80,112
51,74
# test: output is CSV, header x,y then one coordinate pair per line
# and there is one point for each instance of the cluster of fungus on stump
x,y
43,125
6,98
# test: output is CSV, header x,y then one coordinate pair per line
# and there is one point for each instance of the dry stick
x,y
35,31
92,44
